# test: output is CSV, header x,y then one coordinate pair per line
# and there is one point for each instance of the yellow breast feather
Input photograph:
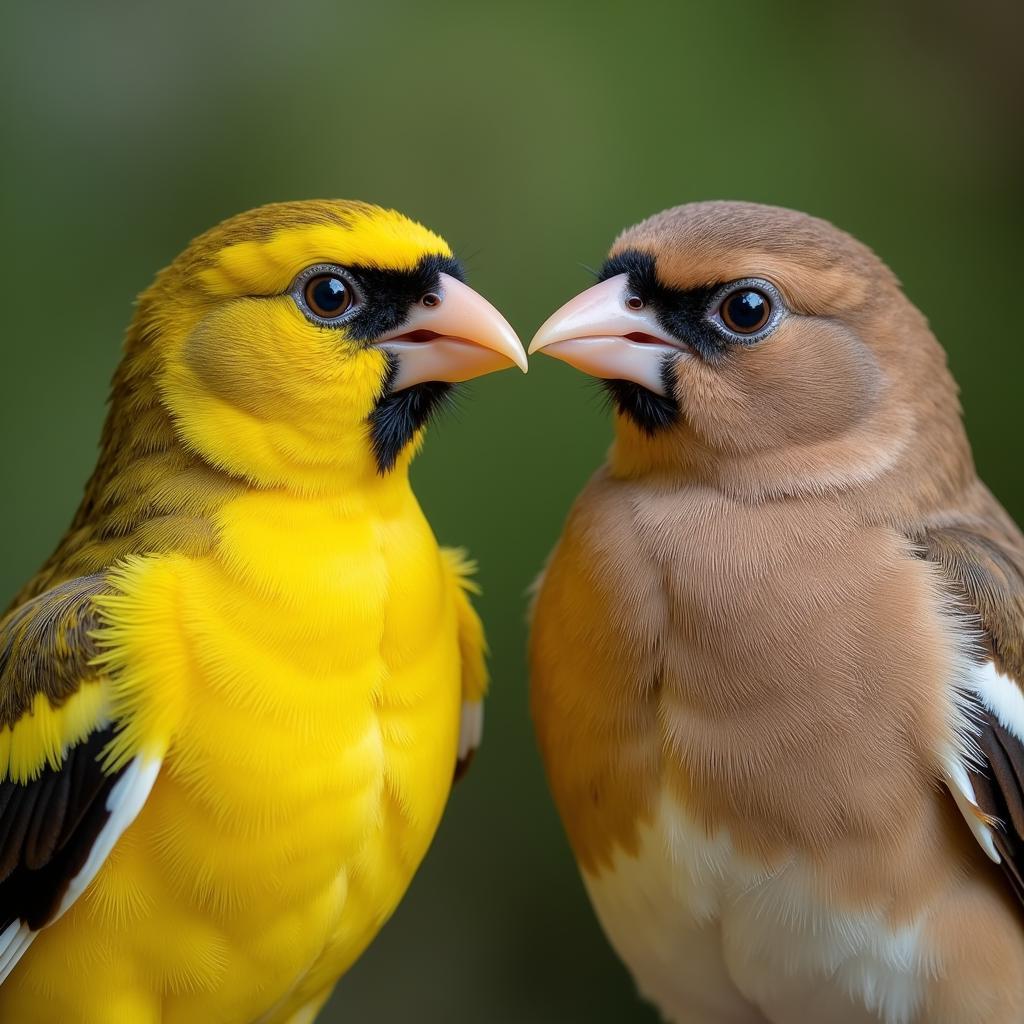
x,y
230,701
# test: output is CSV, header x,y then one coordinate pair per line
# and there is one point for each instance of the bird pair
x,y
776,656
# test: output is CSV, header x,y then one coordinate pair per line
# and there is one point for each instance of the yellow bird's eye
x,y
325,294
328,296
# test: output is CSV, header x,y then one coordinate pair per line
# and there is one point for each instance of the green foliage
x,y
528,135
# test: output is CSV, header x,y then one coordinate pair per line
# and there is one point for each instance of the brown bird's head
x,y
763,351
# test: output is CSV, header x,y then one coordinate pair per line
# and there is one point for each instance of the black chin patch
x,y
649,411
398,415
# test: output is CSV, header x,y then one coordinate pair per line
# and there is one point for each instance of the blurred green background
x,y
528,135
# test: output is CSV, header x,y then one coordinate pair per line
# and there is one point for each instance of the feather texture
x,y
779,630
247,601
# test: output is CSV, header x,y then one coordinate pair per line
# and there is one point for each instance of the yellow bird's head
x,y
307,344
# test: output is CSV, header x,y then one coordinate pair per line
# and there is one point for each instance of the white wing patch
x,y
471,727
1003,698
14,941
958,782
1001,695
124,801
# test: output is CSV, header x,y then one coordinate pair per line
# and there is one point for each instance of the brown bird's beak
x,y
599,333
458,336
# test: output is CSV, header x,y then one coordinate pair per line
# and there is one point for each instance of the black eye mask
x,y
683,313
388,295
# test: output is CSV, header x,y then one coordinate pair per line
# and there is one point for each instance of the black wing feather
x,y
47,830
48,824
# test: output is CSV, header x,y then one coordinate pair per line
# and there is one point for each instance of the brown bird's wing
x,y
61,811
984,566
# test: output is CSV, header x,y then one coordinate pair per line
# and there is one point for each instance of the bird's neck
x,y
896,474
149,494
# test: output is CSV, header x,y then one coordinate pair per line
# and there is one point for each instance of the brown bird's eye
x,y
745,311
328,296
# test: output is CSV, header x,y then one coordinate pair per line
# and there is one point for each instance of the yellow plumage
x,y
276,622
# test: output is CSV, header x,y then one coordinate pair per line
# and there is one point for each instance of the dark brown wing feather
x,y
999,794
984,567
46,646
986,571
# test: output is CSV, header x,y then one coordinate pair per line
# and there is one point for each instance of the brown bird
x,y
777,654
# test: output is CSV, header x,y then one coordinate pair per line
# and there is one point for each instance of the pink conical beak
x,y
598,333
458,337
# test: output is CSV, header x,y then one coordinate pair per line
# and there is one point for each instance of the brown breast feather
x,y
780,669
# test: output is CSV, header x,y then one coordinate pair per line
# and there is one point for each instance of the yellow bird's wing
x,y
473,648
62,808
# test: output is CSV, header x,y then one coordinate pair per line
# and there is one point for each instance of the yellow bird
x,y
232,701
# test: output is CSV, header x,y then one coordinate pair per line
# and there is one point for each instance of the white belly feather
x,y
712,939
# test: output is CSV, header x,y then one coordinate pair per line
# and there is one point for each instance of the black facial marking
x,y
682,313
398,415
390,294
649,411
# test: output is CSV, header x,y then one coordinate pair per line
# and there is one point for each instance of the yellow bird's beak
x,y
607,332
455,336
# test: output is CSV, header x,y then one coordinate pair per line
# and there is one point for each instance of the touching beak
x,y
598,333
460,335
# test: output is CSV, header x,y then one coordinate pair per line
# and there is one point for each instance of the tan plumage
x,y
757,676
